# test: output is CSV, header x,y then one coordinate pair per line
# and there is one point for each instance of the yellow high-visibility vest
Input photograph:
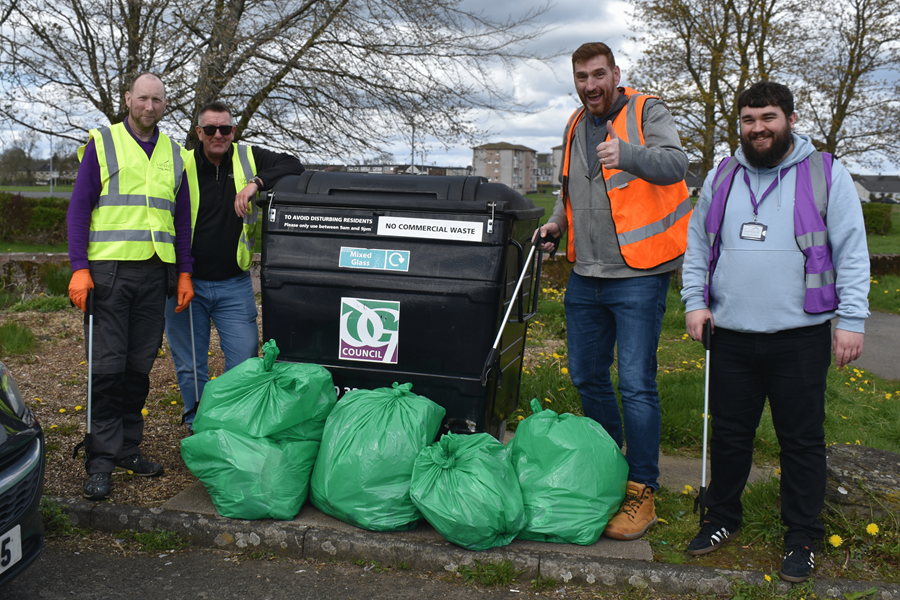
x,y
243,167
135,216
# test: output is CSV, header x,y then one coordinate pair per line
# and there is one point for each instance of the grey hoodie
x,y
759,286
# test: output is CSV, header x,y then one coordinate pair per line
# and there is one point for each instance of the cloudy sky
x,y
547,88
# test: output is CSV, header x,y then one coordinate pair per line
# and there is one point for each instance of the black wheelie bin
x,y
384,278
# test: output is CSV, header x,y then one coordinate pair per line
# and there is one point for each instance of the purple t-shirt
x,y
86,195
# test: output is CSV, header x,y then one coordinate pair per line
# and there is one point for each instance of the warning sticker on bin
x,y
435,229
292,220
370,330
367,258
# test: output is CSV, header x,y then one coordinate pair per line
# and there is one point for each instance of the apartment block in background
x,y
506,163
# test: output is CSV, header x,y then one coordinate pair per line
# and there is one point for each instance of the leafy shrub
x,y
878,218
33,220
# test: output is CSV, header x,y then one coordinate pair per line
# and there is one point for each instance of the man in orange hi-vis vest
x,y
625,209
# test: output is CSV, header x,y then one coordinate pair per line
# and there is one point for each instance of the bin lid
x,y
436,192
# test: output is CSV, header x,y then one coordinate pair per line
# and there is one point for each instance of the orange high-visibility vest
x,y
651,220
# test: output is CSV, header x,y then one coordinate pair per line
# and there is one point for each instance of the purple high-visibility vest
x,y
810,231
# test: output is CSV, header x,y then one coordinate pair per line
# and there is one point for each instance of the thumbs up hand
x,y
608,151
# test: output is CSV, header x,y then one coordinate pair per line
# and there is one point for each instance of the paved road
x,y
62,571
881,348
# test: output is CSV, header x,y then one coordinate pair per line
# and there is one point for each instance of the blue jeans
x,y
601,314
231,305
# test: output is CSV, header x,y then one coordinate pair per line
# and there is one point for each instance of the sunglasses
x,y
210,130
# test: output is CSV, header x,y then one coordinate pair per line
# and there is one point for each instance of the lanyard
x,y
753,199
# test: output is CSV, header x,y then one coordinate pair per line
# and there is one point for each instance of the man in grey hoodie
x,y
776,249
625,209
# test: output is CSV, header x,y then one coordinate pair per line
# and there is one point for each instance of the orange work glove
x,y
185,291
79,285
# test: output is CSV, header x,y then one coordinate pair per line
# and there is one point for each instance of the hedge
x,y
33,220
878,218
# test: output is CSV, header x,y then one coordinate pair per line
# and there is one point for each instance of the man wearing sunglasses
x,y
224,178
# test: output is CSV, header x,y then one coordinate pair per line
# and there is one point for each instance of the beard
x,y
761,159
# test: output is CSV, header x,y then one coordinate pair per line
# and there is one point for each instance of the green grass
x,y
158,540
15,339
42,304
884,293
56,520
890,243
17,247
490,573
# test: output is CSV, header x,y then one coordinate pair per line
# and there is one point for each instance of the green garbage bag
x,y
251,478
364,468
261,398
466,487
572,476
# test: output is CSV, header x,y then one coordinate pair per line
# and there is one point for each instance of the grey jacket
x,y
661,161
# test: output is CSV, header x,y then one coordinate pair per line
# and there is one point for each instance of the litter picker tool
x,y
194,357
493,358
86,443
700,502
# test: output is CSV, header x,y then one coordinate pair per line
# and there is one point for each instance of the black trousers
x,y
129,315
790,369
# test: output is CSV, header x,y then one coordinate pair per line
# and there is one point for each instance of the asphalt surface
x,y
198,574
881,347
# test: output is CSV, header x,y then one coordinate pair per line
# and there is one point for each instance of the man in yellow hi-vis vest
x,y
625,209
223,177
129,228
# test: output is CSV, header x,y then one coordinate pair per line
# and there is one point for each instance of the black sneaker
x,y
711,536
97,486
798,563
139,466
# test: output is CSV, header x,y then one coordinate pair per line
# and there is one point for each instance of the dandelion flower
x,y
778,471
853,379
78,407
520,417
38,400
564,371
555,355
768,578
548,400
835,540
174,402
52,426
872,529
145,412
62,410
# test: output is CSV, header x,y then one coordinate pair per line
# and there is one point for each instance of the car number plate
x,y
10,548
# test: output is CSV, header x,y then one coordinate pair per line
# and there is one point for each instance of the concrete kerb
x,y
394,548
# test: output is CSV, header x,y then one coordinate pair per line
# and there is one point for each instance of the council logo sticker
x,y
369,330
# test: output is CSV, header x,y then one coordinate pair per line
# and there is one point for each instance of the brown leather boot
x,y
636,515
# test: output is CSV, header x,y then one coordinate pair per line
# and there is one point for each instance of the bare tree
x,y
851,81
840,57
326,78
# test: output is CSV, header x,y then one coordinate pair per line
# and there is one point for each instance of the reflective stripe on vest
x,y
243,168
135,215
651,220
810,230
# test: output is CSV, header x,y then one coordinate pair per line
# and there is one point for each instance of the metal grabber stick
x,y
194,357
90,387
701,499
